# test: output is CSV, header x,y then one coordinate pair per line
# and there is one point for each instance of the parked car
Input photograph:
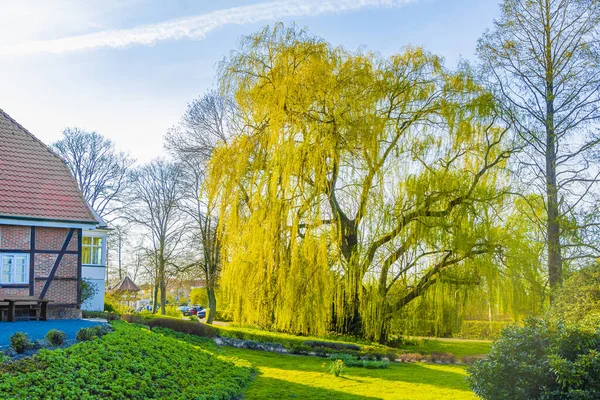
x,y
183,309
196,310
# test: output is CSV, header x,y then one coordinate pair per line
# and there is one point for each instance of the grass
x,y
303,377
283,376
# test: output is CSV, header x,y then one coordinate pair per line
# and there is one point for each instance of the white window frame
x,y
92,247
25,256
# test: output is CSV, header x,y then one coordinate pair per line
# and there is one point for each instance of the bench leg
x,y
44,311
11,312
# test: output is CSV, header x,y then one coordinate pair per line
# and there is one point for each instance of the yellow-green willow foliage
x,y
358,184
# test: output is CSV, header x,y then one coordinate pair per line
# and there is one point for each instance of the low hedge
x,y
130,363
109,316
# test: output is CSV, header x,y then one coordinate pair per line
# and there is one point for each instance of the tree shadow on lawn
x,y
440,375
273,388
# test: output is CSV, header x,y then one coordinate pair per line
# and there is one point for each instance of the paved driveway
x,y
38,329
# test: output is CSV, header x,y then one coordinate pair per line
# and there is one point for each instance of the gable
x,y
34,182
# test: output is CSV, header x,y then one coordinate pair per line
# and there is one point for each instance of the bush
x,y
172,311
541,360
20,342
56,337
332,345
108,307
183,326
109,316
131,363
85,334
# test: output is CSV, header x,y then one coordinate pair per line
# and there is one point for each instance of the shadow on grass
x,y
273,388
415,373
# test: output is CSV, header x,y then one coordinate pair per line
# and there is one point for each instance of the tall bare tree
x,y
99,168
155,197
542,59
207,122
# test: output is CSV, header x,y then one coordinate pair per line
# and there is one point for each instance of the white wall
x,y
96,274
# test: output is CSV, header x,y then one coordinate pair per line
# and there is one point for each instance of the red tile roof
x,y
34,182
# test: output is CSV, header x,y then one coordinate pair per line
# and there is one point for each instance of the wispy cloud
x,y
196,27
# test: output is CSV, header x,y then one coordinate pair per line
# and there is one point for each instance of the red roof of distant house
x,y
126,285
34,182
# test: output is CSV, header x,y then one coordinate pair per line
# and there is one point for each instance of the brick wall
x,y
62,290
15,237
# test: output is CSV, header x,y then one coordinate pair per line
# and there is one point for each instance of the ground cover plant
x,y
130,363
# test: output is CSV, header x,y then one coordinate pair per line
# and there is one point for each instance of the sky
x,y
128,68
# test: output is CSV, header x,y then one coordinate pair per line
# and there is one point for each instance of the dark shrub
x,y
332,345
109,307
183,326
411,357
541,360
56,337
20,342
109,316
445,358
133,318
85,334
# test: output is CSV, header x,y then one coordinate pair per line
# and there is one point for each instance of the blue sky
x,y
127,68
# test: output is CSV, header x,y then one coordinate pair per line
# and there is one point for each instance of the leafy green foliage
x,y
92,332
540,360
353,361
20,342
335,367
579,298
133,363
56,337
88,289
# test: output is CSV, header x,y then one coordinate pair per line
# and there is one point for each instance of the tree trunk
x,y
212,304
155,297
163,296
552,222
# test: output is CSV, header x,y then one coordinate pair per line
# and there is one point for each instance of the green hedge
x,y
130,363
481,329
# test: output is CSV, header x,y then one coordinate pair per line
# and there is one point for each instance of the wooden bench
x,y
34,307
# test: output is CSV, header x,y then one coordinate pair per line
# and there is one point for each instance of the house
x,y
49,237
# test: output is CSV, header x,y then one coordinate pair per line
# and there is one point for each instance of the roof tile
x,y
35,182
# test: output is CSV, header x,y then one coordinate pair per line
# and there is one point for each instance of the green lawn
x,y
302,377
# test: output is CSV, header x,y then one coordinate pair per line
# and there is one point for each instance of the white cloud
x,y
196,27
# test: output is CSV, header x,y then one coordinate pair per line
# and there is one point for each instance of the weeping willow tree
x,y
358,184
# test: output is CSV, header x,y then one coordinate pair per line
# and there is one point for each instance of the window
x,y
14,268
91,253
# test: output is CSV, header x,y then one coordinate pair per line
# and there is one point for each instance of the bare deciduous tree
x,y
542,60
155,197
207,122
99,168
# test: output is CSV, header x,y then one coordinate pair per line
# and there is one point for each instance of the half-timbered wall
x,y
54,256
